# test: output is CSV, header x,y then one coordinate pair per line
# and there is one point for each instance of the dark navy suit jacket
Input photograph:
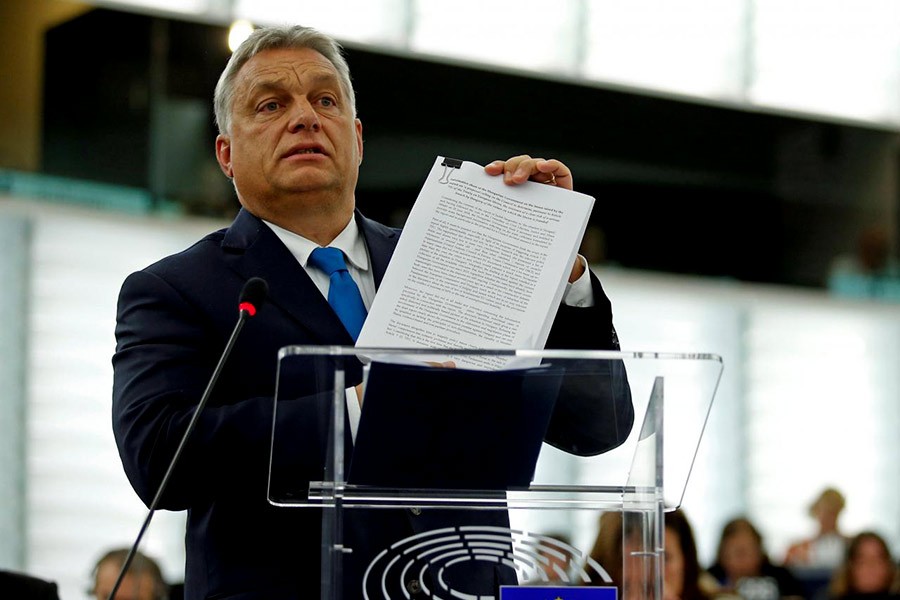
x,y
173,321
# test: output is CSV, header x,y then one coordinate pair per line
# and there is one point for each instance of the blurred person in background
x,y
872,271
143,581
607,549
826,549
869,572
743,567
684,579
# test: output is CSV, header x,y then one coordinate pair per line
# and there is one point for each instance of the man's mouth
x,y
304,150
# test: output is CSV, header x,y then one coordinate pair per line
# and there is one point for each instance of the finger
x,y
548,177
447,364
554,172
550,165
512,163
506,167
520,169
494,168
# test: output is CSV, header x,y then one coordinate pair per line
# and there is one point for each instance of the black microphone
x,y
253,294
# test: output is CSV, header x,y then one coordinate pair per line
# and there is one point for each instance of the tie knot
x,y
328,260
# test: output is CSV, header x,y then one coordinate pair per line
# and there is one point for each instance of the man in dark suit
x,y
292,144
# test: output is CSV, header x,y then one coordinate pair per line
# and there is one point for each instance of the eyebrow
x,y
264,86
277,85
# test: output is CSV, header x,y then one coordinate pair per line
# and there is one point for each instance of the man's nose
x,y
303,116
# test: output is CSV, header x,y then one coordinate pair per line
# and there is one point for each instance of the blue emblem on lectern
x,y
545,592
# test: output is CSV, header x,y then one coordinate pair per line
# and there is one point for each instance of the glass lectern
x,y
452,478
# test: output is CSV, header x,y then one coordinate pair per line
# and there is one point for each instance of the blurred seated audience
x,y
869,572
619,550
607,550
142,581
826,549
683,577
26,587
742,566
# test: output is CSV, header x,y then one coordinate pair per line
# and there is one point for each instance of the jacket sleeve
x,y
594,412
166,351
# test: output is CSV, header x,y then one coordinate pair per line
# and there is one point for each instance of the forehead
x,y
285,66
869,546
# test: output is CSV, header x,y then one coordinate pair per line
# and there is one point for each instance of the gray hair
x,y
276,38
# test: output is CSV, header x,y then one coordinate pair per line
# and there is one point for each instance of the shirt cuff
x,y
580,293
354,410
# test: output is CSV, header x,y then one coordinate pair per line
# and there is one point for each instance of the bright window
x,y
694,47
526,34
829,57
374,21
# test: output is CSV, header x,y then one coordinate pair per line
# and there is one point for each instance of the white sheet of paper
x,y
480,265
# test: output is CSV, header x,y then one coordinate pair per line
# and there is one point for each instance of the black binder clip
x,y
449,164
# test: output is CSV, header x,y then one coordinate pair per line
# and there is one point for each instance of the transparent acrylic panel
x,y
482,428
445,485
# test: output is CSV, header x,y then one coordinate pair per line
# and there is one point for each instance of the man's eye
x,y
327,102
269,106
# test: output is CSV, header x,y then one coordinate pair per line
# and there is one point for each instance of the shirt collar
x,y
349,241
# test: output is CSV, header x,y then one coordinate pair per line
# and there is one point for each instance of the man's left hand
x,y
520,169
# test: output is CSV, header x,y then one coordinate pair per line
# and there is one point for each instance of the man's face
x,y
294,142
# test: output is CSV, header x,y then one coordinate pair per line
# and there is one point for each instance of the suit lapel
x,y
252,250
381,241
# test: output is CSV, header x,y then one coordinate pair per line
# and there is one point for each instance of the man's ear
x,y
223,154
359,140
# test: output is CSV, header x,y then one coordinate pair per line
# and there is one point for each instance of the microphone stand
x,y
246,311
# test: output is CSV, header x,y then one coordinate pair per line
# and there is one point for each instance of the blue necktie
x,y
343,294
